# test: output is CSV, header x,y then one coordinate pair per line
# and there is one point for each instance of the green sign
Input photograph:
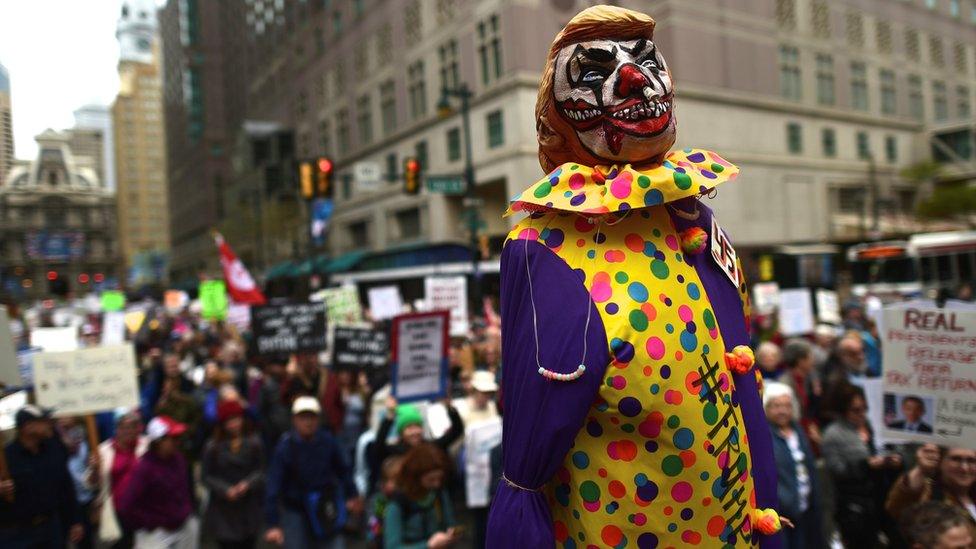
x,y
446,184
213,299
113,300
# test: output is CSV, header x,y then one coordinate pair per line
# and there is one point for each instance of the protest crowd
x,y
233,446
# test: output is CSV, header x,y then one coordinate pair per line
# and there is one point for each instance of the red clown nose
x,y
630,81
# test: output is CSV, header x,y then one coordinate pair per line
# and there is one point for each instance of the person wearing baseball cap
x,y
309,485
156,501
37,503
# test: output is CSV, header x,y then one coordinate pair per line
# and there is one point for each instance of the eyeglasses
x,y
960,460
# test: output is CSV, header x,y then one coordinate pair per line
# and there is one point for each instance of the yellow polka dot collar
x,y
599,190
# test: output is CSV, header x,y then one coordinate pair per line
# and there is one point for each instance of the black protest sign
x,y
360,349
284,329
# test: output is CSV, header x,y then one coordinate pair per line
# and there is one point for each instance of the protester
x,y
309,485
272,409
768,357
940,474
378,503
118,457
795,468
307,379
857,471
156,500
846,364
165,374
421,514
233,471
937,525
800,378
479,405
38,503
82,466
354,390
410,430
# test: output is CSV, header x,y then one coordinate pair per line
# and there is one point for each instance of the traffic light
x,y
411,176
306,183
323,178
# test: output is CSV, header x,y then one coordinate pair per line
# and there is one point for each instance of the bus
x,y
907,268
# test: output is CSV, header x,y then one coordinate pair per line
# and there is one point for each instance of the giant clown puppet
x,y
632,409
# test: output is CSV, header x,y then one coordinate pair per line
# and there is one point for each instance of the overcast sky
x,y
61,55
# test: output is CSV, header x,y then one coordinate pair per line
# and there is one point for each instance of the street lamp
x,y
444,110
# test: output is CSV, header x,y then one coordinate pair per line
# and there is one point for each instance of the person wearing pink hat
x,y
156,500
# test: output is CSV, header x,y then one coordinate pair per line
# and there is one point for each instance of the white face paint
x,y
617,96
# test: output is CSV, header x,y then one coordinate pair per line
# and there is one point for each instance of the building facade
x,y
204,75
57,224
6,126
99,118
140,141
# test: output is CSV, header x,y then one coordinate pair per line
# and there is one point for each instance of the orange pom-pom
x,y
740,360
693,240
766,521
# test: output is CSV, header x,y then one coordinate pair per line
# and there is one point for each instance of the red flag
x,y
240,285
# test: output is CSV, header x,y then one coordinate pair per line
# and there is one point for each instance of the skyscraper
x,y
91,120
6,126
140,145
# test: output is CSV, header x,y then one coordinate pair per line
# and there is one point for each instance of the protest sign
x,y
134,319
359,349
25,364
929,366
284,329
9,405
213,299
420,350
55,339
385,302
341,304
795,312
449,293
828,306
239,315
113,328
175,300
113,300
86,381
765,297
479,439
9,373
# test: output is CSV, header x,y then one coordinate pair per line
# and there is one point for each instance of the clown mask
x,y
618,98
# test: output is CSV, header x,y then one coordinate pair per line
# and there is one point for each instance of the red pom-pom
x,y
766,521
693,240
740,360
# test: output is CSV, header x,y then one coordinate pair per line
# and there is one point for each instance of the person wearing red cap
x,y
233,471
156,499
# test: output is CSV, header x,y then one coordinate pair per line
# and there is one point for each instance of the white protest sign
x,y
9,405
420,346
930,375
113,328
239,316
479,439
828,306
385,302
86,381
765,297
9,372
341,304
55,339
449,293
795,312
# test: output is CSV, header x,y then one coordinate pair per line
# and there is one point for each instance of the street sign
x,y
367,176
473,202
445,184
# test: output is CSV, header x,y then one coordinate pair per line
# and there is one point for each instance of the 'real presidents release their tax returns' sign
x,y
285,329
930,375
86,381
420,349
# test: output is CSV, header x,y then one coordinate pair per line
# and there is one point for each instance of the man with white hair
x,y
795,469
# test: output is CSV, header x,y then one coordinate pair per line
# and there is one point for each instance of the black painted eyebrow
x,y
600,55
638,47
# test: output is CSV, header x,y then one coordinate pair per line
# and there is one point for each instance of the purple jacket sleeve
x,y
541,417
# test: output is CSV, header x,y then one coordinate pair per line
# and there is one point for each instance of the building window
x,y
408,223
364,119
358,8
959,58
850,200
911,44
388,107
936,51
786,14
392,168
931,4
496,129
855,29
420,152
963,109
453,144
450,76
413,22
916,106
829,141
789,72
825,79
359,234
490,49
336,22
384,43
417,90
883,36
345,143
954,8
820,15
325,137
859,86
891,149
346,186
794,138
906,200
863,146
888,92
940,106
